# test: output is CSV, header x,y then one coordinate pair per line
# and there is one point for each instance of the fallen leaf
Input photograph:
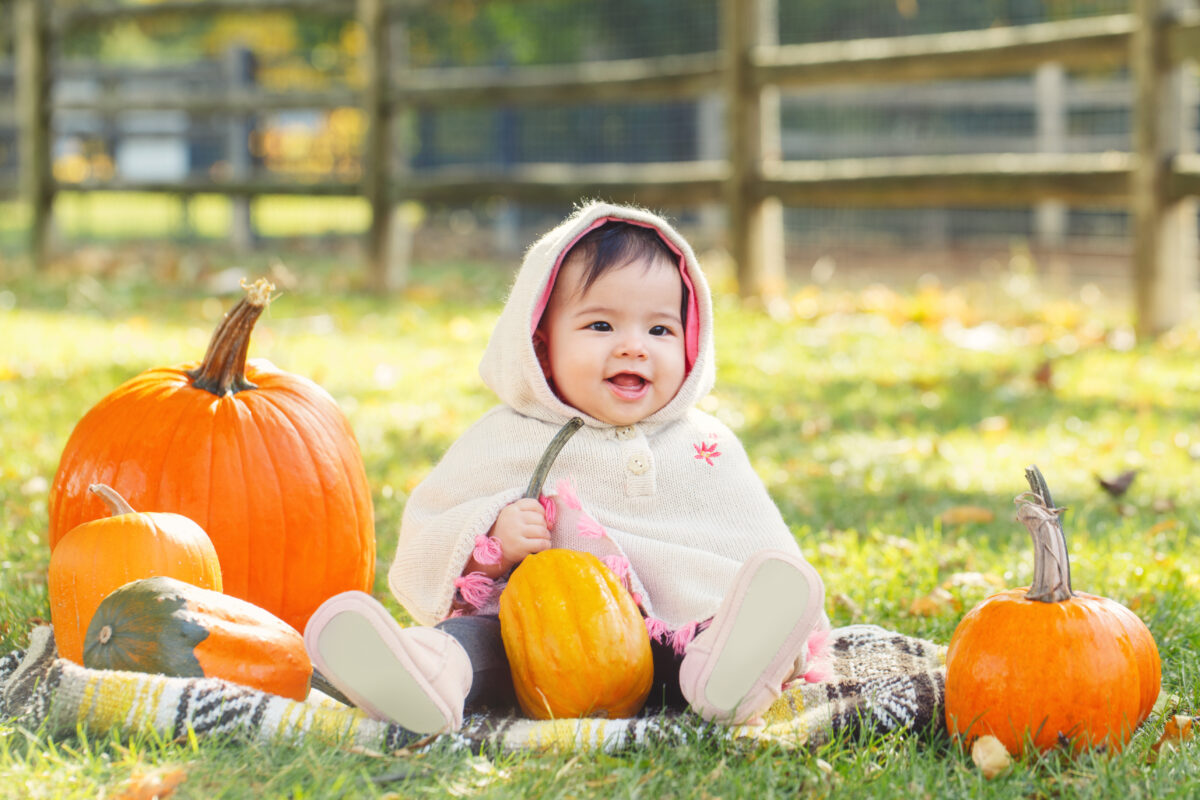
x,y
843,601
959,515
155,786
973,580
936,602
1160,527
1119,485
990,756
1044,375
1176,730
1163,505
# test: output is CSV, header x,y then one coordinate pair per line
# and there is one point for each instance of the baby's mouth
x,y
628,384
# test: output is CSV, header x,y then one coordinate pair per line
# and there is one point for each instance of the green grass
x,y
117,216
862,409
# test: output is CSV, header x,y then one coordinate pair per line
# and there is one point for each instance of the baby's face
x,y
616,351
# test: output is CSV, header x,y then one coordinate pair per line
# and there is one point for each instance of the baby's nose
x,y
632,347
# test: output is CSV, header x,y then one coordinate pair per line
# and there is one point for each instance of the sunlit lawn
x,y
114,216
869,413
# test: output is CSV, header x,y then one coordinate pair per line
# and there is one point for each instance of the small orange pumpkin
x,y
169,627
262,459
575,640
1045,663
98,556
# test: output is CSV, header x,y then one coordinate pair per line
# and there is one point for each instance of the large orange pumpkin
x,y
1044,664
575,640
97,557
263,460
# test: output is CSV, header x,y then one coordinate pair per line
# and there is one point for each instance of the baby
x,y
609,320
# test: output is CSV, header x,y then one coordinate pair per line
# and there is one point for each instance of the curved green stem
x,y
551,452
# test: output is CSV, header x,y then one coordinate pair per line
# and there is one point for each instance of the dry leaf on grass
x,y
1176,730
156,786
936,602
990,756
960,515
1119,485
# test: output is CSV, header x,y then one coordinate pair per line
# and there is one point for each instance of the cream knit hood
x,y
510,366
670,503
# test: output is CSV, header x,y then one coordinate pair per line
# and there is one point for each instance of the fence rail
x,y
1157,180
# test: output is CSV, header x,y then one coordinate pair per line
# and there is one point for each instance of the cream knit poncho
x,y
670,503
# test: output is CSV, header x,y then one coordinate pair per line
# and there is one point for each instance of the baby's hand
x,y
521,530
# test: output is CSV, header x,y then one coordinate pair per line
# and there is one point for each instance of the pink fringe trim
x,y
818,644
567,492
618,564
589,527
657,629
487,550
818,650
475,588
678,639
550,509
681,638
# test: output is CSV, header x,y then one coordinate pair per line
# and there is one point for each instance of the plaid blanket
x,y
877,680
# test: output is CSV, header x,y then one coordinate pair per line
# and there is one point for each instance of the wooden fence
x,y
1157,180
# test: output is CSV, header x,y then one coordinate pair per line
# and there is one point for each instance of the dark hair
x,y
615,244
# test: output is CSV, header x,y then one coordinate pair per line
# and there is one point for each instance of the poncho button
x,y
638,464
627,432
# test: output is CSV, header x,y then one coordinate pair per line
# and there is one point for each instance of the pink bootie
x,y
736,668
417,678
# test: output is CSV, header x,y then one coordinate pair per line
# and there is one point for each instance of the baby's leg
x,y
735,669
491,686
417,678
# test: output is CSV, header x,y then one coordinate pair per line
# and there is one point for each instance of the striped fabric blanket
x,y
877,680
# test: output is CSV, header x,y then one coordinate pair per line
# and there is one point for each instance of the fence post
x,y
755,226
33,109
376,164
1164,231
239,73
1050,104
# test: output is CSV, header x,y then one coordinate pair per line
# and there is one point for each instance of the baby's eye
x,y
660,330
600,326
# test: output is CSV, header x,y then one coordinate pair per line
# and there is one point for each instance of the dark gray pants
x,y
492,687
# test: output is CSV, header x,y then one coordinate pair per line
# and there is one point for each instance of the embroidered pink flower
x,y
706,452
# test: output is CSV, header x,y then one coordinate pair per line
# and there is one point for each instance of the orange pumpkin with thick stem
x,y
263,460
97,557
1045,664
169,627
575,640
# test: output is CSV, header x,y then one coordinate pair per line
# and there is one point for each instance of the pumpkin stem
x,y
116,504
1051,564
223,370
552,450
